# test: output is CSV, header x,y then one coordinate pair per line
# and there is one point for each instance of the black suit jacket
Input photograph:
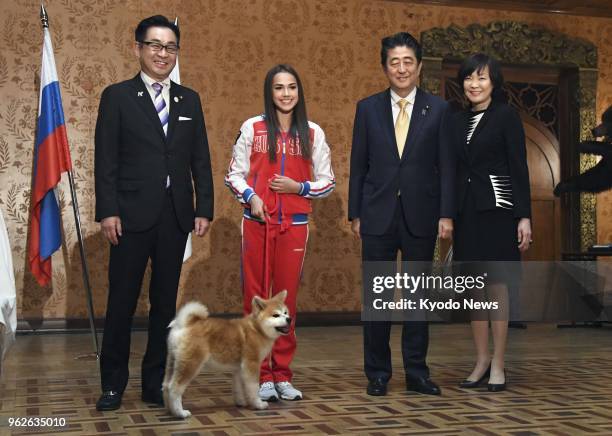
x,y
494,163
133,157
424,174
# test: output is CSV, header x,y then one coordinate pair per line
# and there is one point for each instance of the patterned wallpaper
x,y
228,45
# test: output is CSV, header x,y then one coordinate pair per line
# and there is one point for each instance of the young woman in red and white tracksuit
x,y
276,184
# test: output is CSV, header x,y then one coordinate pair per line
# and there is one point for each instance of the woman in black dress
x,y
493,221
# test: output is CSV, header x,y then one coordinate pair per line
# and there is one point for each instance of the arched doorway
x,y
543,159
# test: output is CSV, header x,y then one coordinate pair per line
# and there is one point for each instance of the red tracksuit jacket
x,y
250,171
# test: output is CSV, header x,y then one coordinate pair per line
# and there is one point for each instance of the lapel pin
x,y
425,110
176,99
139,93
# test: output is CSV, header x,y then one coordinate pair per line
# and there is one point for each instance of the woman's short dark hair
x,y
155,21
400,39
477,62
299,130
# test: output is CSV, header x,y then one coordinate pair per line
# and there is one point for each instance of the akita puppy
x,y
238,345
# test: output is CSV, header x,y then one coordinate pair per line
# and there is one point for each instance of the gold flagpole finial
x,y
44,18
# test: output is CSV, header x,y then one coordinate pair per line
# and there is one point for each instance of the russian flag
x,y
51,159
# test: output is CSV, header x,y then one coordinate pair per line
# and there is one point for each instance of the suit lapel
x,y
176,99
481,124
472,148
386,118
143,98
417,119
462,132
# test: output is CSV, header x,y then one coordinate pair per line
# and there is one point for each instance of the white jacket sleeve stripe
x,y
324,181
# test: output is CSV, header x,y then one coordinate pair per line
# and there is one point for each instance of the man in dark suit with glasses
x,y
151,152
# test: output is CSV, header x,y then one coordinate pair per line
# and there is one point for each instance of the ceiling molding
x,y
591,8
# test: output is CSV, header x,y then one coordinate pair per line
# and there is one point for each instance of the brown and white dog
x,y
237,345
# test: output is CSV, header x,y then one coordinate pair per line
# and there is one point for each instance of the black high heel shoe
x,y
469,384
498,387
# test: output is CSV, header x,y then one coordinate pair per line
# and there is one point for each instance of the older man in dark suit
x,y
400,195
151,151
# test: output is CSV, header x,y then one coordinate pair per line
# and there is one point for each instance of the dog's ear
x,y
281,296
257,304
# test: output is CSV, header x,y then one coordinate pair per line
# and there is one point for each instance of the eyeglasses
x,y
156,46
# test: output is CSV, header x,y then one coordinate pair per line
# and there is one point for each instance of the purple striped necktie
x,y
160,106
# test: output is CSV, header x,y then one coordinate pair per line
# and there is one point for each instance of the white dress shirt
x,y
395,106
148,81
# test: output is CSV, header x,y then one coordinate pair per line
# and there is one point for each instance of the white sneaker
x,y
287,391
267,392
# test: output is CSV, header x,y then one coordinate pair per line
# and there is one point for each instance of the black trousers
x,y
415,334
164,244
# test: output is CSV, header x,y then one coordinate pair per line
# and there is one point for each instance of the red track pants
x,y
286,251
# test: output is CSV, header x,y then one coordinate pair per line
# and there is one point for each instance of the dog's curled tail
x,y
188,313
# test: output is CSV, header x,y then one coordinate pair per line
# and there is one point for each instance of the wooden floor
x,y
560,383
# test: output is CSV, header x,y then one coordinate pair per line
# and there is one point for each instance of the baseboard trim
x,y
81,325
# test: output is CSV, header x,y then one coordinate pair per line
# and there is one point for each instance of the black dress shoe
x,y
497,387
422,385
154,397
377,387
469,384
109,400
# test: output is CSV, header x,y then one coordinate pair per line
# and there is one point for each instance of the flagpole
x,y
44,19
90,308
